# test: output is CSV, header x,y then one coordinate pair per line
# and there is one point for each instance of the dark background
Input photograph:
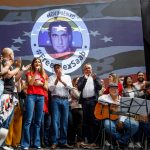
x,y
145,10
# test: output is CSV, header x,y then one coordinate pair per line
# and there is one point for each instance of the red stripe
x,y
23,3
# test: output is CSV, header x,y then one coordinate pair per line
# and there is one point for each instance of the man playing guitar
x,y
109,104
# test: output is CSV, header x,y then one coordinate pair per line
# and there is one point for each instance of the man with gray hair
x,y
89,87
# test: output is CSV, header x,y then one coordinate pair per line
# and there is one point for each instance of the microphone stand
x,y
147,116
111,142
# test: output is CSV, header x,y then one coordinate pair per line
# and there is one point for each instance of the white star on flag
x,y
107,39
60,28
14,48
94,33
27,34
18,40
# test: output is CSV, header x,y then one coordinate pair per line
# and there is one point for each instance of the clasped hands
x,y
60,80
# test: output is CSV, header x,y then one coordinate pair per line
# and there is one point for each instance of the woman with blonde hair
x,y
113,78
37,81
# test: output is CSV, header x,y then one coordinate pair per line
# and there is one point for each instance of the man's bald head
x,y
8,53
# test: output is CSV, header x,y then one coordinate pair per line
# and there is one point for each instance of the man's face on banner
x,y
60,39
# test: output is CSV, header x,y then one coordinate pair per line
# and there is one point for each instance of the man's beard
x,y
141,80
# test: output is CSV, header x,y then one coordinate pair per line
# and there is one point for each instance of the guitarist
x,y
112,127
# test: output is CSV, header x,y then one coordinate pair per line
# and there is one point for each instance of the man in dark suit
x,y
89,87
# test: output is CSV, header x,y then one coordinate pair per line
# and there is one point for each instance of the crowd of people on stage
x,y
37,110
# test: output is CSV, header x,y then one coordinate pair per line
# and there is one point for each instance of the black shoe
x,y
43,144
66,146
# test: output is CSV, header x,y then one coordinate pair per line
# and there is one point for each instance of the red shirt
x,y
32,89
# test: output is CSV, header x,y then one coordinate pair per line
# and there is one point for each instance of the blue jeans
x,y
45,128
47,125
144,127
33,103
131,127
59,112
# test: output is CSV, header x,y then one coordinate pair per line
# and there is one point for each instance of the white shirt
x,y
106,98
59,89
131,94
88,90
138,87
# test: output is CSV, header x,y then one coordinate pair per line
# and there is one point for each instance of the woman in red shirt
x,y
37,81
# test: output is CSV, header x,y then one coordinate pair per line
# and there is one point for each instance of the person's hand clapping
x,y
18,63
25,68
93,76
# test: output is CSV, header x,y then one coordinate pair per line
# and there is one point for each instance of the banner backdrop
x,y
108,35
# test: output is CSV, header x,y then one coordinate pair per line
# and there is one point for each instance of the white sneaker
x,y
107,143
25,148
131,145
3,135
138,145
7,148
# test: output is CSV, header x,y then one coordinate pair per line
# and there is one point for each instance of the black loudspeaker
x,y
145,13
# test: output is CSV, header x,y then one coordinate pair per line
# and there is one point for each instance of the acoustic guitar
x,y
102,112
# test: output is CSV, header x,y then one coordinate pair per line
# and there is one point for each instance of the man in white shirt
x,y
112,127
89,86
59,85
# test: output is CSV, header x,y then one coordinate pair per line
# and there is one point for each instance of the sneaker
x,y
131,145
107,143
7,148
25,148
39,148
138,145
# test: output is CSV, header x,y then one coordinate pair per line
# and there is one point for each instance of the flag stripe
x,y
126,71
23,3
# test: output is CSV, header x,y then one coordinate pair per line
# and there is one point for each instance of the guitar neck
x,y
137,117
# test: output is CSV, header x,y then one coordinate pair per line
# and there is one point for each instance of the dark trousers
x,y
89,121
75,126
